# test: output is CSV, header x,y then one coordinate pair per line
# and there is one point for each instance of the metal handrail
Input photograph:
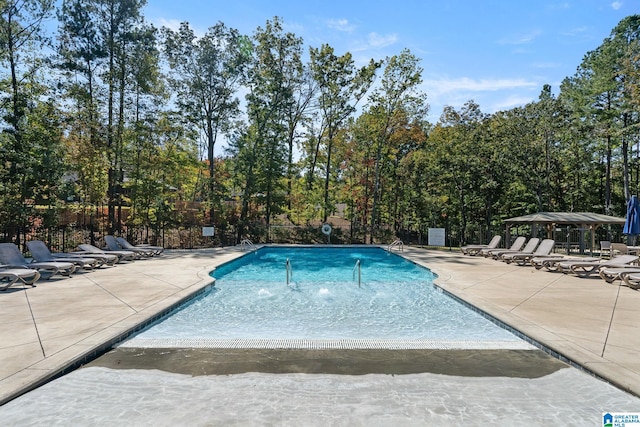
x,y
289,271
246,243
353,273
396,243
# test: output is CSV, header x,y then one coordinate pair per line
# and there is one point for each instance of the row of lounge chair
x,y
521,251
476,249
620,266
16,269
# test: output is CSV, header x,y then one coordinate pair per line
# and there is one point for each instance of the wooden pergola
x,y
582,220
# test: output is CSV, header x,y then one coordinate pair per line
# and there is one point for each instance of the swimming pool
x,y
328,296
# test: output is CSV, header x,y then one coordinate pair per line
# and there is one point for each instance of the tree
x,y
303,89
81,54
163,173
273,113
118,21
459,143
395,104
623,41
531,170
144,135
341,86
548,117
206,73
598,93
631,69
106,47
29,119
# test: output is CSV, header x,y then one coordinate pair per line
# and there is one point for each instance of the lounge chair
x,y
474,249
93,251
611,274
522,258
40,252
632,280
105,259
11,256
584,268
157,250
515,246
605,249
11,276
618,249
531,246
551,262
113,244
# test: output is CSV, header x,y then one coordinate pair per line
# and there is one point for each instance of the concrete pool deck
x,y
63,322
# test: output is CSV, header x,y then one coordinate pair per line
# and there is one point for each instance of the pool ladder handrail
x,y
353,273
396,243
289,271
246,243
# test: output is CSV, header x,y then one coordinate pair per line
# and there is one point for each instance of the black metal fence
x,y
63,239
189,237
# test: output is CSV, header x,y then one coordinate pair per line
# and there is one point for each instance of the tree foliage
x,y
134,118
207,72
30,152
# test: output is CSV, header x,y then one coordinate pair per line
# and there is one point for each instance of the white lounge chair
x,y
157,250
521,258
10,255
105,258
611,274
632,280
515,246
474,249
605,249
113,245
584,269
551,262
531,246
41,253
91,250
11,276
619,249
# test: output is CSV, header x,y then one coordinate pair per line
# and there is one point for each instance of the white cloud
x,y
510,102
172,24
545,65
373,41
378,40
521,39
576,31
616,5
489,102
293,27
441,86
491,94
341,25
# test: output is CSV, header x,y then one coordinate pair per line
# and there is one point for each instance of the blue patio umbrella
x,y
632,222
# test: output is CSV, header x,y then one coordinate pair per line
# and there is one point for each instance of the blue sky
x,y
498,53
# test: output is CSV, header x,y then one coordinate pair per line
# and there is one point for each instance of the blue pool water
x,y
395,300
